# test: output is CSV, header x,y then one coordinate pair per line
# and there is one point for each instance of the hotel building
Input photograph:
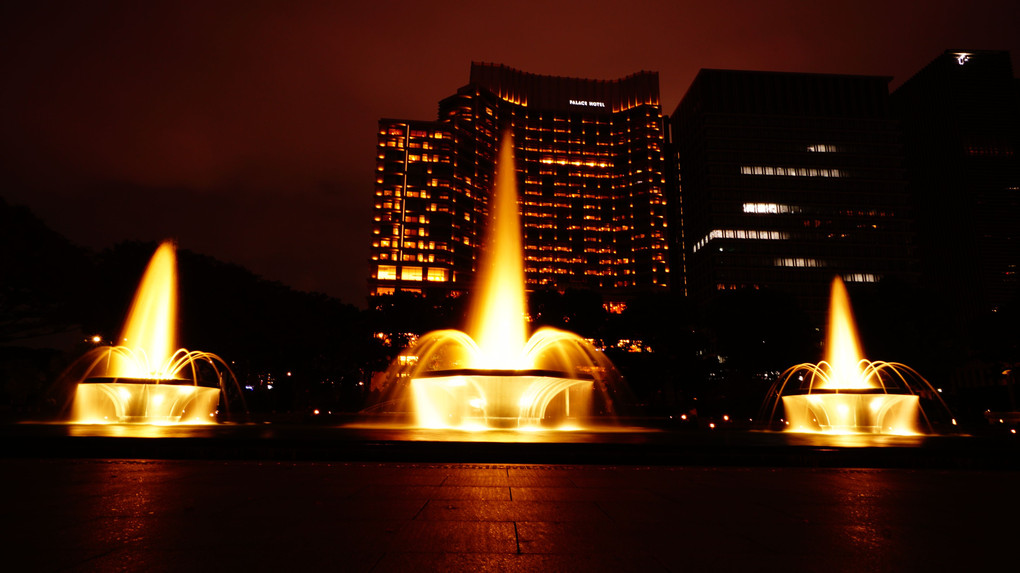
x,y
783,181
589,161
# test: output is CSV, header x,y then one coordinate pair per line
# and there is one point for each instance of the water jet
x,y
497,377
848,394
143,379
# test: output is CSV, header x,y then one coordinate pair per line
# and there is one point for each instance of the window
x,y
437,275
823,148
753,234
386,272
861,278
770,208
410,274
799,262
791,171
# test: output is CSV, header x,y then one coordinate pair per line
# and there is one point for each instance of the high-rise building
x,y
784,181
961,121
589,160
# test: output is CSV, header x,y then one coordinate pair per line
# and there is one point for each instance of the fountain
x,y
143,379
497,377
847,394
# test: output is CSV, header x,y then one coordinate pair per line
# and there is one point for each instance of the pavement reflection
x,y
174,515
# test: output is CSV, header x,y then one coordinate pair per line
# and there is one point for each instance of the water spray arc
x,y
497,377
849,394
143,379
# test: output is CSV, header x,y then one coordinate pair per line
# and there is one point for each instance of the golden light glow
x,y
498,323
499,378
105,402
843,351
151,328
846,393
145,380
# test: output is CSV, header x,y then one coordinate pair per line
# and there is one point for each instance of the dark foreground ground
x,y
177,515
107,499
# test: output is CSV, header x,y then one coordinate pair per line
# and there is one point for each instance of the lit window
x,y
799,262
861,278
386,273
752,234
790,171
823,148
769,208
410,273
437,275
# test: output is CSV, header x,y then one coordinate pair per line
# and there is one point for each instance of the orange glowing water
x,y
146,378
498,312
151,327
843,351
497,376
846,393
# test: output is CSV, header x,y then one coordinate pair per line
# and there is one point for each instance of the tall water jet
x,y
497,323
143,379
848,394
151,324
497,376
843,348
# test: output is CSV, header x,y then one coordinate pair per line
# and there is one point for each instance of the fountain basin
x,y
476,398
144,401
864,411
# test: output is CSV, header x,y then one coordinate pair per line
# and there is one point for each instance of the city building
x,y
961,121
590,169
783,181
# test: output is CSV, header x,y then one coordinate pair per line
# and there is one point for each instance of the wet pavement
x,y
183,515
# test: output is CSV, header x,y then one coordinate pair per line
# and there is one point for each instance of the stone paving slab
x,y
103,515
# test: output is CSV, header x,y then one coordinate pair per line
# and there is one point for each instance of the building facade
x,y
961,121
590,168
784,181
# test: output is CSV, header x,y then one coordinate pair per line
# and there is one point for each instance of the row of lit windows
x,y
427,158
752,234
823,148
861,278
575,163
411,257
423,193
430,245
779,208
799,262
770,208
791,171
434,274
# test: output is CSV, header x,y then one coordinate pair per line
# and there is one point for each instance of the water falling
x,y
846,393
497,376
145,378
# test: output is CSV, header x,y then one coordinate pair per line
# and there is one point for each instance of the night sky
x,y
246,130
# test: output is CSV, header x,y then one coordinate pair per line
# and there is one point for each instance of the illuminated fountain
x,y
848,394
497,376
144,379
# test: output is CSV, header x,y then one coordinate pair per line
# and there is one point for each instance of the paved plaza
x,y
185,515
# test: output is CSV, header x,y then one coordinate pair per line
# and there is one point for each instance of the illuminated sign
x,y
585,103
962,57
